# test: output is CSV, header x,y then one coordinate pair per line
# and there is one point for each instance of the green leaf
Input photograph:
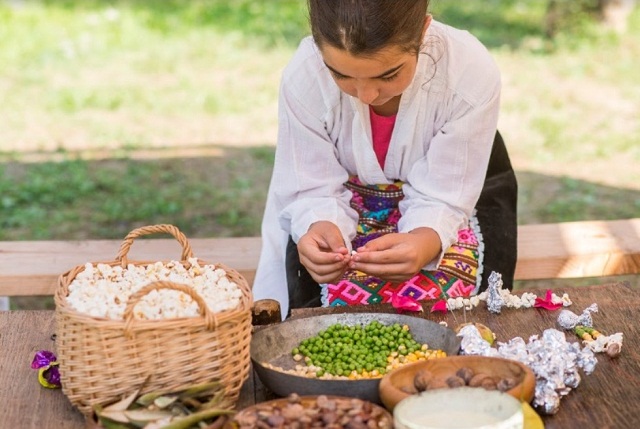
x,y
163,402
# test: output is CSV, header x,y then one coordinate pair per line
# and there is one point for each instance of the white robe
x,y
440,148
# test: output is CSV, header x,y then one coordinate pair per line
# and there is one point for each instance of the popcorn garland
x,y
554,361
496,298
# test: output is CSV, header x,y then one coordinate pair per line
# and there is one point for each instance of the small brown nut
x,y
293,412
455,381
466,374
488,383
477,379
437,383
422,379
276,420
293,398
506,383
411,390
613,349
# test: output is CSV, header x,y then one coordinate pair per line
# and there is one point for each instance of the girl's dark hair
x,y
363,27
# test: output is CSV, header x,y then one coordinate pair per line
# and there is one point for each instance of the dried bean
x,y
476,380
437,383
505,384
324,412
293,412
455,381
466,374
422,379
411,390
489,383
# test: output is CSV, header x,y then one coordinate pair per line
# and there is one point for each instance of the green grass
x,y
77,199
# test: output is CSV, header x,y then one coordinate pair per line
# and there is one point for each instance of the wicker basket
x,y
101,360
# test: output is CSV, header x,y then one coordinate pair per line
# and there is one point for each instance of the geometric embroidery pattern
x,y
377,207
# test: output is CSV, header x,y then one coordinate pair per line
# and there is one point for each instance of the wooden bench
x,y
545,251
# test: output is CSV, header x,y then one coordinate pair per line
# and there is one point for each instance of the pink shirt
x,y
381,129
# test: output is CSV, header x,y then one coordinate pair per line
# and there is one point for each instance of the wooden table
x,y
608,398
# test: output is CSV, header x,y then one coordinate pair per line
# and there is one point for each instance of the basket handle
x,y
154,229
210,319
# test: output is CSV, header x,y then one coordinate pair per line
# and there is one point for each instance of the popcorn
x,y
103,291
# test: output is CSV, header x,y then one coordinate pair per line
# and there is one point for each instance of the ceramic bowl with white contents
x,y
459,408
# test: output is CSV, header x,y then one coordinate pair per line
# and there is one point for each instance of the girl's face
x,y
375,80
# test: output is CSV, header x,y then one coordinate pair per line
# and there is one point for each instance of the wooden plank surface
x,y
608,398
545,251
24,403
578,249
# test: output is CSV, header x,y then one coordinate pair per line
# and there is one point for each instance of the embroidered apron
x,y
459,273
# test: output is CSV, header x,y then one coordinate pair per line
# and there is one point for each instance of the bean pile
x,y
426,380
357,352
311,412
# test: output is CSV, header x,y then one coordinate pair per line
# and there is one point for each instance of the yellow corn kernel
x,y
375,373
412,357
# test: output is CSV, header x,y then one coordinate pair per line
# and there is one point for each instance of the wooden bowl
x,y
399,383
341,406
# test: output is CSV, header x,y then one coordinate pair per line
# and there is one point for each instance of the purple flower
x,y
42,359
52,375
48,372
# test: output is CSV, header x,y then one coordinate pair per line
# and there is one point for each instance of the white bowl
x,y
459,408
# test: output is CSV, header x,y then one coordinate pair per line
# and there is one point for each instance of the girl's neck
x,y
389,108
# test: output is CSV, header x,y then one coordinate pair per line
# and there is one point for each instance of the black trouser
x,y
496,211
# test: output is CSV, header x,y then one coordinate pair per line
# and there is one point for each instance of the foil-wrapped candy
x,y
472,342
495,301
569,320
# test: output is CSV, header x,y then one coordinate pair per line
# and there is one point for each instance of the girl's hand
x,y
323,253
397,257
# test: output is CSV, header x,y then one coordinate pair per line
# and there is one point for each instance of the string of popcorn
x,y
103,290
496,298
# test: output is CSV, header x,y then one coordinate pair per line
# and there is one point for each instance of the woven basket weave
x,y
102,360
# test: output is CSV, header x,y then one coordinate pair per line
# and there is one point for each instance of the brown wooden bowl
x,y
399,383
248,417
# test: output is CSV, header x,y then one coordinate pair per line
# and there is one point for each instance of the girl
x,y
389,178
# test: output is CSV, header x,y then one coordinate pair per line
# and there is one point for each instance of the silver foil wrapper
x,y
569,320
495,301
472,342
554,361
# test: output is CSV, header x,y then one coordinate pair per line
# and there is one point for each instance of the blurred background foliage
x,y
118,114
